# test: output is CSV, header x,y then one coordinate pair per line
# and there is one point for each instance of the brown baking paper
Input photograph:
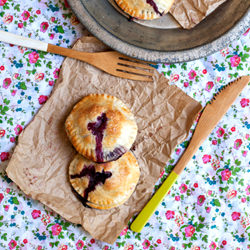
x,y
191,12
39,165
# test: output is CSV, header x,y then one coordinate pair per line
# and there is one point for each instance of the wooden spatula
x,y
210,116
111,62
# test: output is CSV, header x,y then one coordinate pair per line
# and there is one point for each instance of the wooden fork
x,y
111,62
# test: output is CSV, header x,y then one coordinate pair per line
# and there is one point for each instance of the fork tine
x,y
121,56
138,64
133,70
133,77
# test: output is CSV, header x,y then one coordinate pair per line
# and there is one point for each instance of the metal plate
x,y
215,32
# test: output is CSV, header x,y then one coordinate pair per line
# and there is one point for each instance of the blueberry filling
x,y
154,5
116,153
97,128
95,178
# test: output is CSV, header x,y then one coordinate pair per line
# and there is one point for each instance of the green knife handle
x,y
151,206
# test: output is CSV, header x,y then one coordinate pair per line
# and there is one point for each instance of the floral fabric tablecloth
x,y
207,208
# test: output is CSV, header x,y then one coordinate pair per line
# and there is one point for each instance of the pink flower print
x,y
174,78
209,86
214,142
6,82
231,194
56,229
45,219
44,26
39,77
220,132
146,244
235,61
235,216
248,190
179,220
212,246
1,197
170,214
62,247
25,15
42,99
35,214
208,209
18,129
4,156
124,231
7,18
225,174
243,200
218,79
2,132
224,52
51,83
200,200
209,192
177,198
33,57
15,76
195,248
12,244
128,247
244,102
13,92
178,150
189,231
206,158
2,2
237,143
105,248
215,164
192,74
244,153
51,36
56,73
79,244
20,25
6,208
52,19
186,84
183,188
244,222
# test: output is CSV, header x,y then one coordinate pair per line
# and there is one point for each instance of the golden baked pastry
x,y
145,9
104,185
101,127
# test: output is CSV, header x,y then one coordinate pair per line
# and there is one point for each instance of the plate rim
x,y
154,55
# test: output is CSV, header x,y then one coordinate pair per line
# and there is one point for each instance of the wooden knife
x,y
211,115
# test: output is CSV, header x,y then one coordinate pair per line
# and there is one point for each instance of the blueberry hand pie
x,y
145,9
101,127
104,185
